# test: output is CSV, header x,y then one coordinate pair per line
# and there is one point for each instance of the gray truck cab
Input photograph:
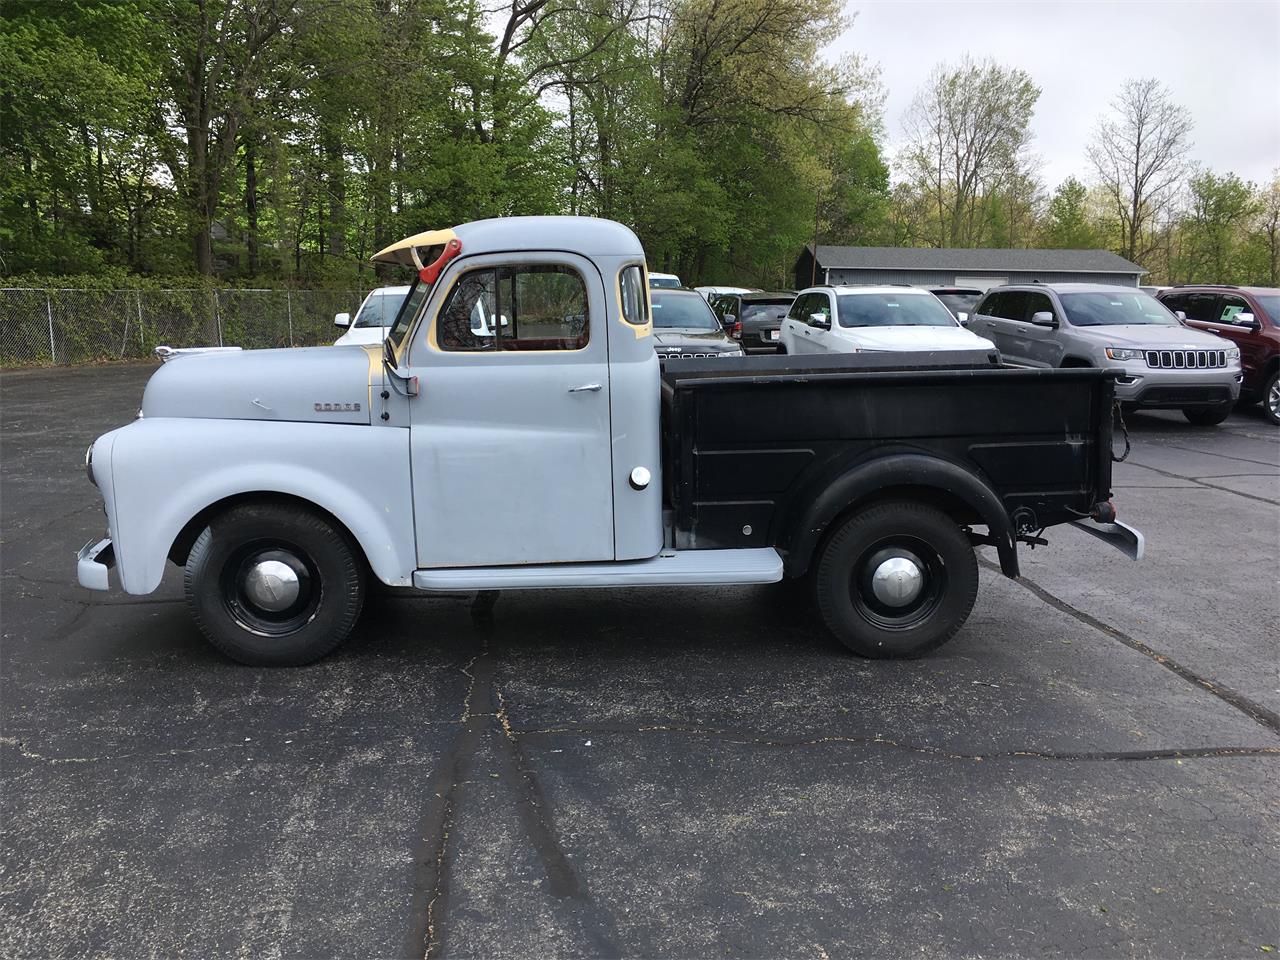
x,y
550,449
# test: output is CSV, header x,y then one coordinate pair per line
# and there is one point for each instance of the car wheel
x,y
896,580
274,584
1208,416
1271,398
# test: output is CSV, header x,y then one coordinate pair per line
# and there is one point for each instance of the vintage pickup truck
x,y
552,450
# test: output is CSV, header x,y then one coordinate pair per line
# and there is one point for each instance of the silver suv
x,y
1162,363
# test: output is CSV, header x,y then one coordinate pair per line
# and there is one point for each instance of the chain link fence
x,y
47,326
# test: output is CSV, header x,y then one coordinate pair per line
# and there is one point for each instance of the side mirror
x,y
342,319
963,318
1044,318
1181,315
1246,320
729,319
820,320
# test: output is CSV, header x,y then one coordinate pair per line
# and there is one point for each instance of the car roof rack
x,y
1221,286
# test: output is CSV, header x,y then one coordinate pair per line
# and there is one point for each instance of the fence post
x,y
142,342
288,309
125,336
48,308
217,315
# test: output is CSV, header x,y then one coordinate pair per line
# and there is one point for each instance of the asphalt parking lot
x,y
1090,768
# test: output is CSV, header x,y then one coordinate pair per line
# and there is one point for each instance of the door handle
x,y
587,388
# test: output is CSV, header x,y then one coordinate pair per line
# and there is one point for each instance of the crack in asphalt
x,y
1233,698
1210,486
429,902
758,739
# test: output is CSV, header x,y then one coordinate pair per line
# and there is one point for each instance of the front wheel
x,y
896,580
273,584
1208,416
1271,398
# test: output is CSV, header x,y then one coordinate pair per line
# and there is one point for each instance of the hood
x,y
917,338
310,384
1167,337
708,340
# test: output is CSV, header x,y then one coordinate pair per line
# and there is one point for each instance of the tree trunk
x,y
251,204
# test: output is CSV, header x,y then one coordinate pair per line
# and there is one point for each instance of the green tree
x,y
1068,223
1216,227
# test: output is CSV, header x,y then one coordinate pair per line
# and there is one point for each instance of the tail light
x,y
736,330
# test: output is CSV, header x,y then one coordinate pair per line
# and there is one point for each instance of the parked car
x,y
959,300
711,293
852,319
556,452
1162,364
373,319
754,319
684,326
658,280
1250,318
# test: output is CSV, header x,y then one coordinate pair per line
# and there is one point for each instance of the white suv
x,y
852,319
373,319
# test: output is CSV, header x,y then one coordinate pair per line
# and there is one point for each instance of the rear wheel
x,y
1208,416
896,580
274,584
1271,398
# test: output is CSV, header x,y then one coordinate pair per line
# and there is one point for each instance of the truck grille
x,y
1186,359
677,355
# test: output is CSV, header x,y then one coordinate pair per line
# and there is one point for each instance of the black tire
x,y
1271,398
227,560
1208,416
900,530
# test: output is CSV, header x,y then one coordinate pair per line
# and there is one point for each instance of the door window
x,y
1232,307
821,303
1037,303
519,307
799,309
1200,306
1010,305
991,306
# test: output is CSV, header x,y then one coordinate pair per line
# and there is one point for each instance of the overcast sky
x,y
1220,58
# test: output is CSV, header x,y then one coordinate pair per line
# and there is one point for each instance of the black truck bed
x,y
749,443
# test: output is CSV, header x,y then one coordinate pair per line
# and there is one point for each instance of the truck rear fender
x,y
949,486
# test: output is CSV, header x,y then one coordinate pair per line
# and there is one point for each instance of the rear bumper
x,y
94,563
1123,537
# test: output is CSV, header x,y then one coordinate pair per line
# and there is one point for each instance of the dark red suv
x,y
1248,316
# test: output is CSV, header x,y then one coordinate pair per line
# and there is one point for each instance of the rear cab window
x,y
633,294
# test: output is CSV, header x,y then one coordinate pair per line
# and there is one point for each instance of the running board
x,y
678,568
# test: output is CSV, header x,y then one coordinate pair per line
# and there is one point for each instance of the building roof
x,y
983,259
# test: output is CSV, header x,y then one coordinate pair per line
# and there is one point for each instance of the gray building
x,y
980,268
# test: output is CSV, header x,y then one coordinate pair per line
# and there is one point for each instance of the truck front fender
x,y
165,472
910,475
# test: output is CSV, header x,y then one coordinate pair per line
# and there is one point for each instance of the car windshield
x,y
1113,309
686,310
663,281
892,310
381,308
760,310
1271,304
959,302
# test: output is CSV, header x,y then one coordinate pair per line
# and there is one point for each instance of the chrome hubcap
x,y
897,582
271,585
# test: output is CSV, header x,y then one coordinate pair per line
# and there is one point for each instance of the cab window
x,y
631,289
518,307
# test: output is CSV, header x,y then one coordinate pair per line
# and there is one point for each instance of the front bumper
x,y
94,563
1175,389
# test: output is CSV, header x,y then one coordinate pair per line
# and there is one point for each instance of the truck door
x,y
510,433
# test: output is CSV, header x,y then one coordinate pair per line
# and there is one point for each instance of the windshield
x,y
765,310
1271,304
686,310
380,308
1116,309
408,310
663,281
959,302
893,310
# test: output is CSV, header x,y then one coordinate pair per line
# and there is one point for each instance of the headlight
x,y
1233,353
88,464
1123,353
